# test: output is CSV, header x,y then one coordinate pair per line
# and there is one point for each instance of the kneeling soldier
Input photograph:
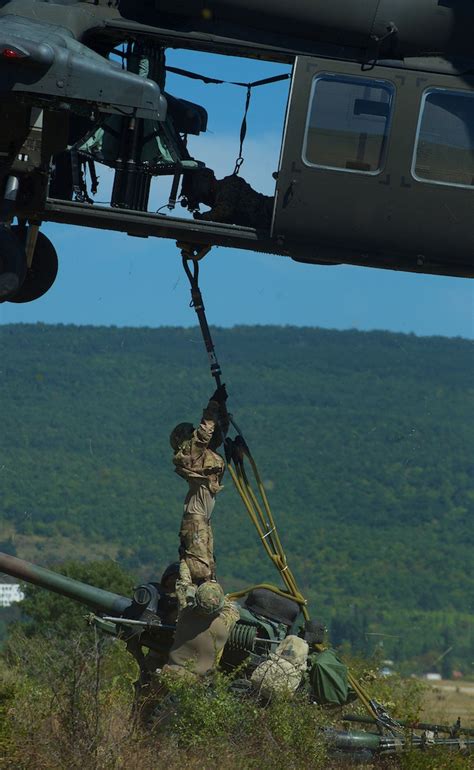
x,y
205,621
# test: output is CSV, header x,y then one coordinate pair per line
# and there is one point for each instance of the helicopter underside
x,y
368,153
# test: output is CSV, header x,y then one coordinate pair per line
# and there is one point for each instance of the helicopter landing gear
x,y
12,253
28,264
41,264
28,259
12,263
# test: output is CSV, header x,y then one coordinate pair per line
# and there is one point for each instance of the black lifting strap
x,y
217,82
243,132
249,86
197,303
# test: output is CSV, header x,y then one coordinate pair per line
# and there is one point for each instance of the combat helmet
x,y
180,433
172,570
209,598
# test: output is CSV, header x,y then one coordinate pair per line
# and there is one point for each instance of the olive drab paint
x,y
348,201
376,161
424,25
139,621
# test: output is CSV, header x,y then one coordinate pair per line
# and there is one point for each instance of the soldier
x,y
167,610
196,461
205,621
168,604
231,200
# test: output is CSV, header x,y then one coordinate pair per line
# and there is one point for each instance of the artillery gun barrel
x,y
360,741
362,719
95,598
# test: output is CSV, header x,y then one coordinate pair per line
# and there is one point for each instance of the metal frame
x,y
144,225
423,180
382,220
349,79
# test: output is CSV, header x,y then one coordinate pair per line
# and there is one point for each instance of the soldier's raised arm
x,y
210,419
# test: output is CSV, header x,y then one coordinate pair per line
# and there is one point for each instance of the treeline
x,y
365,442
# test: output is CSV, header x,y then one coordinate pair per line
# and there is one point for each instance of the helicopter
x,y
377,157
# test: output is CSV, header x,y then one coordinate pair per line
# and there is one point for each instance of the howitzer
x,y
131,619
141,621
365,743
265,620
453,730
94,598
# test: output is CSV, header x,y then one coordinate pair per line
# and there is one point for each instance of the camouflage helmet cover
x,y
209,598
180,433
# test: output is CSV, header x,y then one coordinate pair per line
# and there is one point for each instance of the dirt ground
x,y
447,700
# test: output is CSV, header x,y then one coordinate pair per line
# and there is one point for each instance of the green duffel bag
x,y
328,679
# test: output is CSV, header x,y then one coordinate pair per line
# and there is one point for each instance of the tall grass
x,y
70,706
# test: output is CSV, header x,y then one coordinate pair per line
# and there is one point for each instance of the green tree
x,y
48,614
365,444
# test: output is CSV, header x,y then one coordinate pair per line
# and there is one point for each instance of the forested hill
x,y
365,441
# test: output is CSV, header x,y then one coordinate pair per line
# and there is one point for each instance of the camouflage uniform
x,y
201,633
284,669
237,203
202,630
203,469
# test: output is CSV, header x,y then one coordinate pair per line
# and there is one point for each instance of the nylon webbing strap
x,y
215,81
261,516
243,132
197,303
249,86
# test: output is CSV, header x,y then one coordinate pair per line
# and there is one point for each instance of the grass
x,y
448,700
68,705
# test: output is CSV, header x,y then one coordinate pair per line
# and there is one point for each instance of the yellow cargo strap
x,y
261,515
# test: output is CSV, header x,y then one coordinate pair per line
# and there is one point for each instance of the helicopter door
x,y
377,167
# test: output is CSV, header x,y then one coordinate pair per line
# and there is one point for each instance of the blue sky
x,y
111,279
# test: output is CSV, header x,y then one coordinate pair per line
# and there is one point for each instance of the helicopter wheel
x,y
42,273
12,263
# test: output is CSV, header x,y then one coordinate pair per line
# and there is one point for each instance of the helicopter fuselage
x,y
377,158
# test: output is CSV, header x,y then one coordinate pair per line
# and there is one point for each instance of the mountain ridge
x,y
364,440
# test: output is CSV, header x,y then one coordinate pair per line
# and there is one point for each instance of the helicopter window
x,y
348,123
444,152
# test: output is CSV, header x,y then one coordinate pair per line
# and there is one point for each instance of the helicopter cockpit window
x,y
348,124
444,152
